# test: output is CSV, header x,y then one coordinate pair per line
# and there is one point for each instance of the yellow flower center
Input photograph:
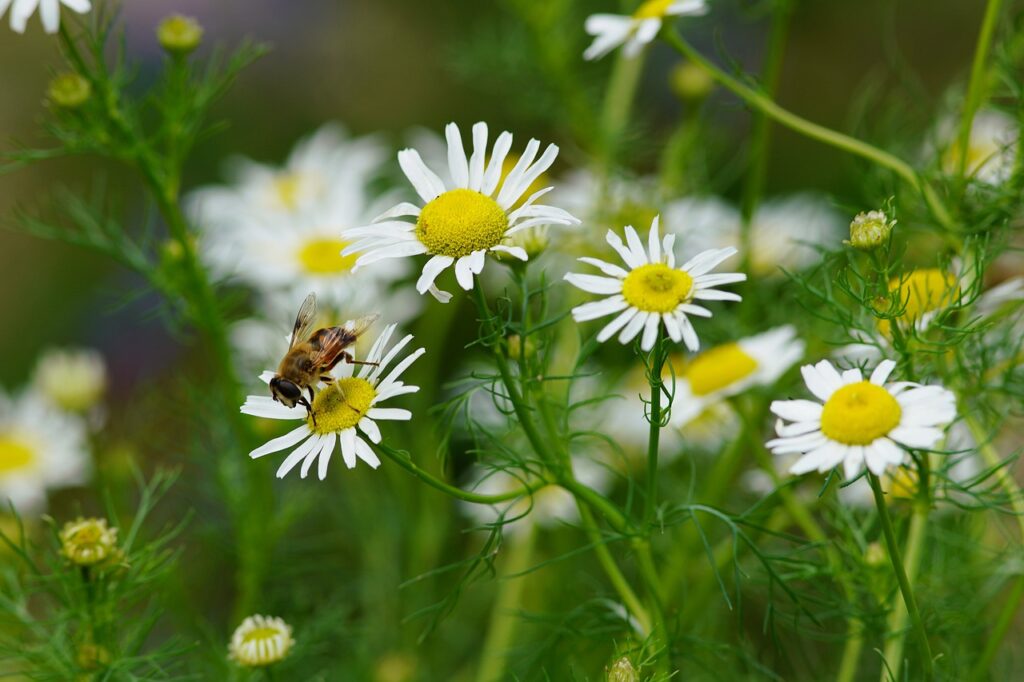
x,y
657,288
718,368
859,413
923,291
259,634
14,454
341,405
652,9
323,257
461,221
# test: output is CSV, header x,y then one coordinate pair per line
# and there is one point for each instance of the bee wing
x,y
329,343
304,320
358,326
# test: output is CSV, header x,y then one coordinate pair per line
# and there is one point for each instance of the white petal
x,y
654,242
797,410
606,268
636,247
514,251
325,457
298,455
441,296
508,194
594,283
389,414
370,428
281,442
650,332
689,334
397,211
615,325
366,453
494,167
628,257
463,274
596,309
433,267
882,372
476,161
708,260
630,331
715,295
457,164
348,447
424,181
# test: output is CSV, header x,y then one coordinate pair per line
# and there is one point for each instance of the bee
x,y
311,357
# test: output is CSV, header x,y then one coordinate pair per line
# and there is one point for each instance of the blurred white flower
x,y
260,641
49,12
653,292
344,409
991,148
74,379
462,221
859,423
41,448
783,231
546,507
634,31
278,229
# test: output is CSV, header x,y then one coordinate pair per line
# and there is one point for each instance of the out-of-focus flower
x,y
991,148
783,232
459,225
859,423
344,409
179,34
689,81
653,291
89,542
74,379
634,31
277,229
41,447
870,230
546,507
921,295
69,91
49,12
260,641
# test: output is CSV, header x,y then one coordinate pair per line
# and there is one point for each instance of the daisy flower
x,y
74,379
991,147
653,291
260,641
633,32
49,12
859,423
783,232
346,410
459,224
41,447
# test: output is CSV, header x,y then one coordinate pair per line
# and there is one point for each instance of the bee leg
x,y
327,379
352,361
310,389
309,409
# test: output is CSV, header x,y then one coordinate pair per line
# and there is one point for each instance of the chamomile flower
x,y
859,422
461,223
88,542
634,31
653,292
41,447
74,379
783,231
346,410
49,12
260,640
991,147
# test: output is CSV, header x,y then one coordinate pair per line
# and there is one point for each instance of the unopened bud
x,y
623,671
516,348
870,230
874,555
89,542
689,81
69,91
179,34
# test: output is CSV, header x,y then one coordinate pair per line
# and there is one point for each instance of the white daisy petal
x,y
424,181
433,267
281,442
630,331
347,439
514,251
476,161
494,167
606,268
298,455
458,166
389,414
594,284
366,453
615,325
882,372
596,309
650,332
797,410
370,428
463,273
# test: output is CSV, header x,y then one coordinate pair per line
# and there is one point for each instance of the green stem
x,y
1005,478
815,131
657,384
901,574
660,640
504,613
618,103
976,86
465,495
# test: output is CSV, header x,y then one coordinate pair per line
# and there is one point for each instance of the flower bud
x,y
179,34
89,542
516,349
874,555
870,230
69,91
690,82
623,671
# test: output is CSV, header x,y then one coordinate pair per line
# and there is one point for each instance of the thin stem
x,y
901,576
652,584
813,130
465,495
618,102
657,384
976,86
1005,478
504,616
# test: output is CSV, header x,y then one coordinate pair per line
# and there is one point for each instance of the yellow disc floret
x,y
921,292
341,405
14,454
461,221
323,257
657,288
653,9
719,368
859,413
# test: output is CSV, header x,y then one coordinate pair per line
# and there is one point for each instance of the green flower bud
x,y
870,230
69,91
623,671
689,81
178,34
875,555
516,349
